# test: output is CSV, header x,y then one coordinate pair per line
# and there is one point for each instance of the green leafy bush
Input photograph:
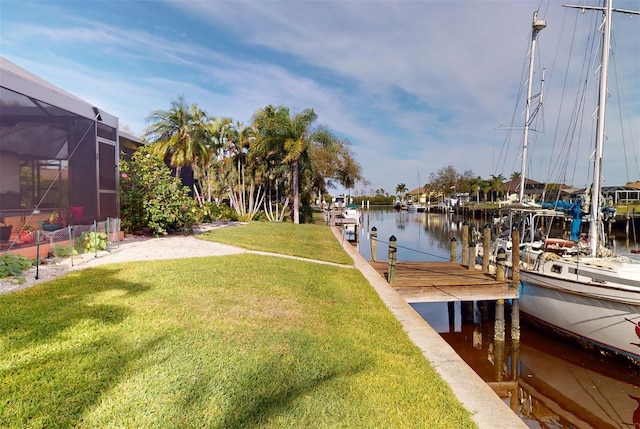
x,y
152,201
209,212
89,242
13,265
62,251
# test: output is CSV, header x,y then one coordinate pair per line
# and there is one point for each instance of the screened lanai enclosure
x,y
58,155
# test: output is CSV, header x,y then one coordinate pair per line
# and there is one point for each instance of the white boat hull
x,y
605,314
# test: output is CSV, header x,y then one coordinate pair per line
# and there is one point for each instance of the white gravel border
x,y
133,248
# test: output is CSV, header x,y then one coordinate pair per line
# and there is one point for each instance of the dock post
x,y
626,227
454,252
501,259
515,320
472,254
498,356
486,249
392,259
465,243
374,242
515,258
498,334
451,312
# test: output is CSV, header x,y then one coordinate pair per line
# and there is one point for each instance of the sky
x,y
415,86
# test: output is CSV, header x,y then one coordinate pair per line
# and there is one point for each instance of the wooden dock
x,y
444,281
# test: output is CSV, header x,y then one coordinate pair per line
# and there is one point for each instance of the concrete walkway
x,y
488,410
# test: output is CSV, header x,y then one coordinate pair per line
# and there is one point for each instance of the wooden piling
x,y
451,312
472,253
486,249
393,250
515,320
498,356
501,259
515,258
454,254
465,243
499,326
374,242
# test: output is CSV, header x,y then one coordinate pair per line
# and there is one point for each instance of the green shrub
x,y
152,201
89,242
62,251
13,265
209,212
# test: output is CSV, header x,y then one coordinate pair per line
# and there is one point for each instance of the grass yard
x,y
305,240
222,342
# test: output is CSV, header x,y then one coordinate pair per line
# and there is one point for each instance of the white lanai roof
x,y
19,80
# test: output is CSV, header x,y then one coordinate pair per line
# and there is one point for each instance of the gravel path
x,y
138,248
130,249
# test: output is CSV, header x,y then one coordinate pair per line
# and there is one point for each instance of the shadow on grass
x,y
41,312
257,409
57,353
269,385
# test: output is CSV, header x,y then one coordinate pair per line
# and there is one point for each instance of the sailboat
x,y
581,289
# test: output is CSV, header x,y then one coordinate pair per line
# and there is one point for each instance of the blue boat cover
x,y
574,209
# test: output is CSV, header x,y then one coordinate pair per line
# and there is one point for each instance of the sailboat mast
x,y
600,132
537,26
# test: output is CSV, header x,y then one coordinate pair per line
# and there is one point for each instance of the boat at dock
x,y
577,286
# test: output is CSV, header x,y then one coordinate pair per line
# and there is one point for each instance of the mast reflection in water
x,y
547,381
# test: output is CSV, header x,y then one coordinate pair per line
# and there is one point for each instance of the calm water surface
x,y
549,382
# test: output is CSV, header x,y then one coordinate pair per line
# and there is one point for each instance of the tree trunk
x,y
296,194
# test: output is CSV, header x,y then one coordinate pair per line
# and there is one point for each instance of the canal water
x,y
548,381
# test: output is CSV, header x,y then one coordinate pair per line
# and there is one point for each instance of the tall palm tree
x,y
485,186
497,184
475,184
179,134
288,138
401,189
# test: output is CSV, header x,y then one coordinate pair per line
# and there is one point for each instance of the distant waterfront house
x,y
58,153
536,191
616,194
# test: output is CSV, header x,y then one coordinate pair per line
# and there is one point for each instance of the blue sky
x,y
414,85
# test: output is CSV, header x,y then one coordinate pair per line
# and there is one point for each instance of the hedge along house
x,y
58,155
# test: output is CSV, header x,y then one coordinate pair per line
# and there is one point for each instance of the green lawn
x,y
222,342
306,240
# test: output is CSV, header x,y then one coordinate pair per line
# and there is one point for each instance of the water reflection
x,y
547,382
420,236
426,236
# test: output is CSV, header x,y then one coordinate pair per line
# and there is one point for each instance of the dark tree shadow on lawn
x,y
49,377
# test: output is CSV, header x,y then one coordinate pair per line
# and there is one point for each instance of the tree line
x,y
448,181
277,164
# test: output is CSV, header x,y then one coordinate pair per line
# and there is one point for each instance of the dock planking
x,y
444,281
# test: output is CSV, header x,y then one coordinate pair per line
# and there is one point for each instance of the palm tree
x,y
401,189
485,186
179,135
332,162
497,185
475,184
290,139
